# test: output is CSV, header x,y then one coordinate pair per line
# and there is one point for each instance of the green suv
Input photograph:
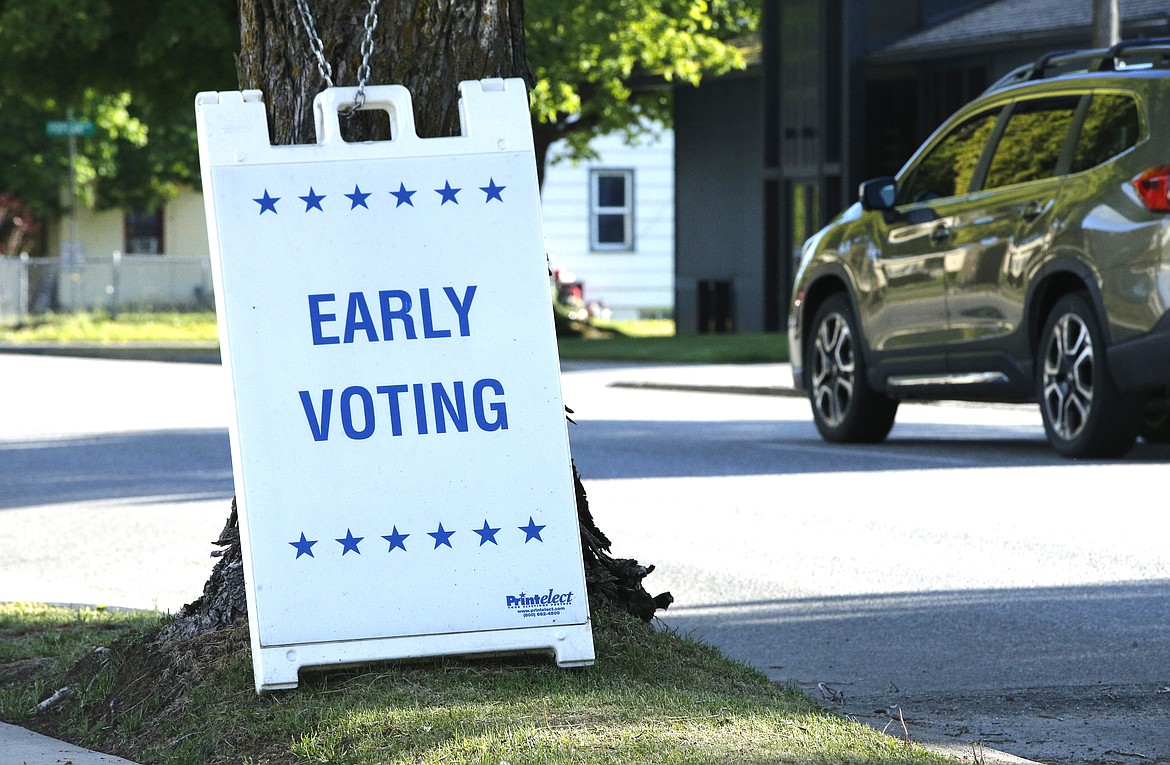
x,y
1022,254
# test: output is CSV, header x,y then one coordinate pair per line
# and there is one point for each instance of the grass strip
x,y
653,697
742,348
101,328
633,341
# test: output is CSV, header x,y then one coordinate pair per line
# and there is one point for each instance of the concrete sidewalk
x,y
23,747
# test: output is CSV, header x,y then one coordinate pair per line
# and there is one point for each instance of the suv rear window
x,y
1032,141
1111,126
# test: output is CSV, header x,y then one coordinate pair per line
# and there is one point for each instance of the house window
x,y
612,210
143,232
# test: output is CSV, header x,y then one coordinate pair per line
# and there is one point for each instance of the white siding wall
x,y
633,283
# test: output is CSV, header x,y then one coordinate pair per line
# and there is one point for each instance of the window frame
x,y
1007,106
1091,97
1022,106
596,210
998,112
159,228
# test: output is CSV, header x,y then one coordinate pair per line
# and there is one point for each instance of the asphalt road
x,y
960,579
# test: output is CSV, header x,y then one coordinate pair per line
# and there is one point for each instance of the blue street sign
x,y
59,128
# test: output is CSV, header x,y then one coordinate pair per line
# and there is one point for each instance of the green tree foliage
x,y
133,67
608,65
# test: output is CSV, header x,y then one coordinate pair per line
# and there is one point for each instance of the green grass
x,y
35,630
742,348
49,639
641,341
653,697
638,327
127,328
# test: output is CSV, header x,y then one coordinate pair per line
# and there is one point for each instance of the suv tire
x,y
1085,415
845,407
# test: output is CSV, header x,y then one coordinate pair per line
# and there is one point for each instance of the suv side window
x,y
949,167
1111,126
1032,141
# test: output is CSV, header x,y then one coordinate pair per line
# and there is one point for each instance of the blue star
x,y
441,537
267,202
492,190
487,534
350,542
356,199
313,200
396,540
531,531
403,196
448,193
305,546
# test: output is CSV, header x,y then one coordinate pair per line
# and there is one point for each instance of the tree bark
x,y
429,46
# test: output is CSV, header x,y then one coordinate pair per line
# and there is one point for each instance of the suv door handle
x,y
1031,211
941,233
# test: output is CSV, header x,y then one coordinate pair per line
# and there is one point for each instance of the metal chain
x,y
323,67
315,43
367,49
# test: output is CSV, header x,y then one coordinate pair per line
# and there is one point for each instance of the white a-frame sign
x,y
399,443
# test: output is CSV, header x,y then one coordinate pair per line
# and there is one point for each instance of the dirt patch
x,y
118,687
20,673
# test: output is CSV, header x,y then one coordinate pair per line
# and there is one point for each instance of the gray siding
x,y
719,207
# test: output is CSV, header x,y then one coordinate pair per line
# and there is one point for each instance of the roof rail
x,y
1059,58
1154,45
1091,60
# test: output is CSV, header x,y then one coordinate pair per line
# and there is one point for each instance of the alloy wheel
x,y
1068,376
833,369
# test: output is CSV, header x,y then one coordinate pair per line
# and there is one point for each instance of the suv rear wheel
x,y
845,407
1084,413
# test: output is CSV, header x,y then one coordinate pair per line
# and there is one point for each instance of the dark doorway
x,y
715,308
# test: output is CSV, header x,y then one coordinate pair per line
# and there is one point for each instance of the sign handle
x,y
395,100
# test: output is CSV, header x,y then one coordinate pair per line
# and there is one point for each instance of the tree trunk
x,y
429,46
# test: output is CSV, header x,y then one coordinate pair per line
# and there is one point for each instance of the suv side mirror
x,y
878,194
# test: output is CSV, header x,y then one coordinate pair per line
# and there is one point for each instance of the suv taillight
x,y
1153,186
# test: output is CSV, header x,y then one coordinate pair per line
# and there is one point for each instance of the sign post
x,y
72,253
399,444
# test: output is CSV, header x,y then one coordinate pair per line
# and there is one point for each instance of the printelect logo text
x,y
523,600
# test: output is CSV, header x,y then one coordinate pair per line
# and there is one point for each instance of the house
x,y
608,223
842,90
157,258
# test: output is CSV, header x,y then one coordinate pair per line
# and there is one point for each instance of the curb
x,y
193,353
746,390
976,753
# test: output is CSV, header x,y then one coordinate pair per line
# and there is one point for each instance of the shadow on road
x,y
605,449
929,636
1030,671
176,465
